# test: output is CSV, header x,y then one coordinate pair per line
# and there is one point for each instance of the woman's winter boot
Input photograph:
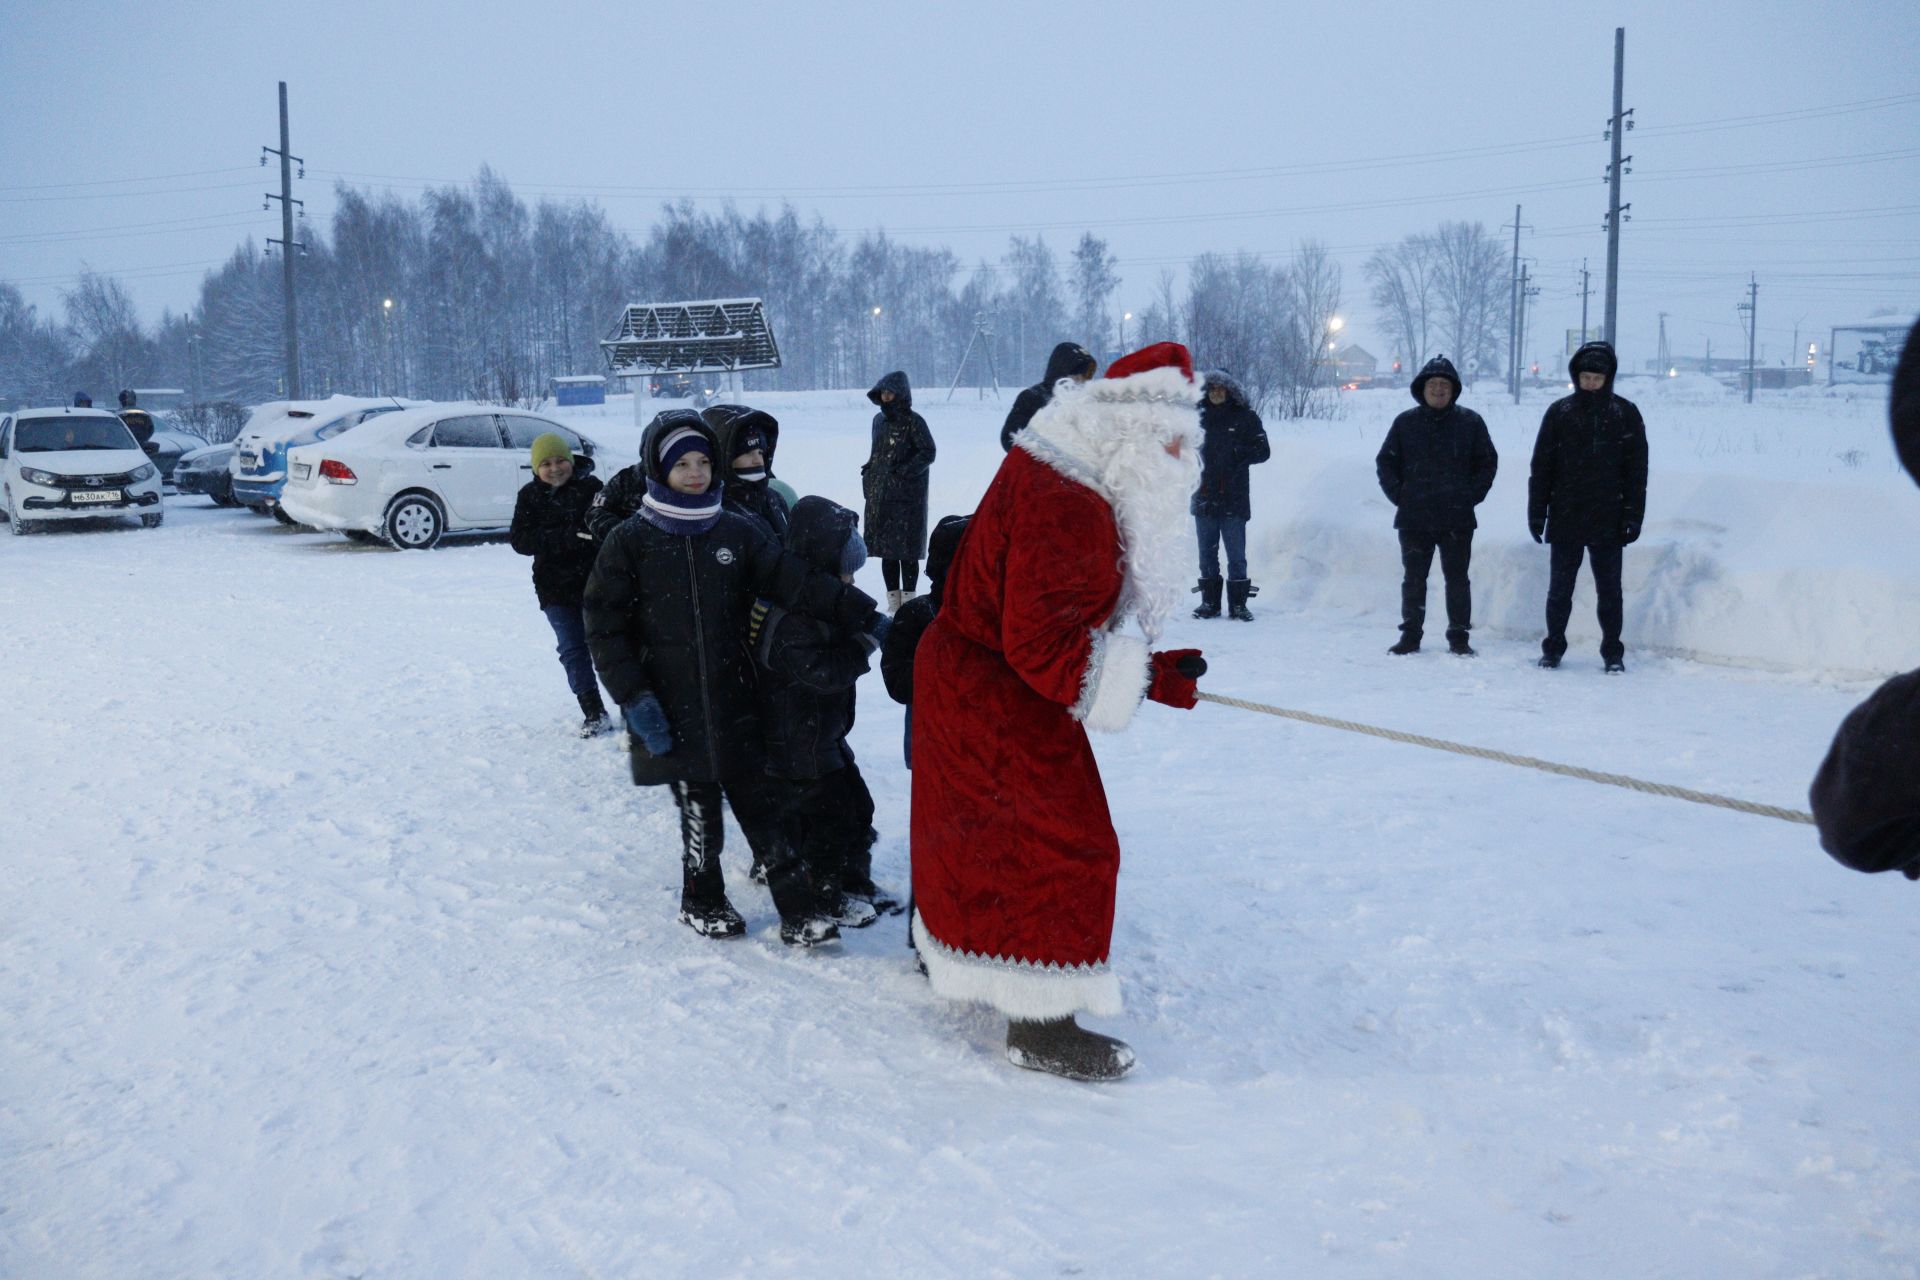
x,y
1062,1047
1238,589
895,598
595,713
1209,590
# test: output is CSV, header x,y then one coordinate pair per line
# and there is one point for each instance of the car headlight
x,y
145,472
45,479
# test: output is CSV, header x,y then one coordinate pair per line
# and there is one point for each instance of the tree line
x,y
469,292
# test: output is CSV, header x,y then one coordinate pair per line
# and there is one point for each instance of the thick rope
x,y
1526,762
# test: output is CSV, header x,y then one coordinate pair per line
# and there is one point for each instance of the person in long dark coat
x,y
1234,440
548,522
1436,466
1587,497
894,481
1866,797
1069,360
667,609
915,616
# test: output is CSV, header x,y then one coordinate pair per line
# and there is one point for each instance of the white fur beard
x,y
1151,496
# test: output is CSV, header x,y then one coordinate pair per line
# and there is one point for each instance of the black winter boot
x,y
1062,1047
595,713
1209,590
1409,642
1238,589
810,932
1457,644
704,907
1549,661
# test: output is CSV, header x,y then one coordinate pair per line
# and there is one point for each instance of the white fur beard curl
x,y
1112,435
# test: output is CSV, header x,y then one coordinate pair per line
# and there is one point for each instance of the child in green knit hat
x,y
548,524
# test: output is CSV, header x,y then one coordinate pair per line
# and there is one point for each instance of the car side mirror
x,y
151,449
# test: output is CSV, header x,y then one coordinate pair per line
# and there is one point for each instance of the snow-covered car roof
x,y
265,415
407,421
65,411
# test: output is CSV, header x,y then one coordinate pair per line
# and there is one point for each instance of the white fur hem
x,y
1114,684
1017,988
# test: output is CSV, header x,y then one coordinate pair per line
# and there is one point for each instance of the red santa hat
x,y
1161,355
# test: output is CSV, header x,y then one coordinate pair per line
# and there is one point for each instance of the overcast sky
x,y
130,133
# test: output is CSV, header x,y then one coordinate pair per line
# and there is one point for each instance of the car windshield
x,y
57,435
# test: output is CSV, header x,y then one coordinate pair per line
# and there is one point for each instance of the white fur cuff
x,y
1114,684
1017,988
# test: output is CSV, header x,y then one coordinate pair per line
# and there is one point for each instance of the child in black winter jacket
x,y
547,525
807,675
667,609
915,616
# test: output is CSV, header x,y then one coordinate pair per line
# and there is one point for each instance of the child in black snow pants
x,y
807,675
667,610
547,526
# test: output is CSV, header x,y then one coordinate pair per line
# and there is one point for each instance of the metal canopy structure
x,y
726,335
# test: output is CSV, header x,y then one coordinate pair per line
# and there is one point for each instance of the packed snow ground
x,y
327,951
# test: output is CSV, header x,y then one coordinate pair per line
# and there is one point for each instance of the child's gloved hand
x,y
647,721
1175,672
879,627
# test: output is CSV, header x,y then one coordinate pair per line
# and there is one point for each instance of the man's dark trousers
x,y
1416,557
1606,585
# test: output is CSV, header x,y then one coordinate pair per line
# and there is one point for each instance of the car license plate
x,y
301,470
79,496
247,460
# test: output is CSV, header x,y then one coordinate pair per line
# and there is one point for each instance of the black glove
x,y
1538,528
1629,532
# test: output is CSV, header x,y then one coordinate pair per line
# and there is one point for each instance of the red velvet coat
x,y
1014,853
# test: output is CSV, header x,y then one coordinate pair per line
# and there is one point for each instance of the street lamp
x,y
1124,317
386,344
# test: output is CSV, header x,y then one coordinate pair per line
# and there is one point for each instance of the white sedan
x,y
73,464
412,476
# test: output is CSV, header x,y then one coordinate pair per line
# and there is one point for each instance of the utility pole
x,y
1752,307
1513,313
1664,358
286,241
1617,125
1525,291
1586,287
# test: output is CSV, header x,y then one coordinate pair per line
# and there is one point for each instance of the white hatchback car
x,y
73,464
410,477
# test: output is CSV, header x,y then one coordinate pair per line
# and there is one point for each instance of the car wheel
x,y
361,536
280,514
414,522
21,528
152,519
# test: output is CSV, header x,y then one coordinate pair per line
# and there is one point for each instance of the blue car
x,y
259,466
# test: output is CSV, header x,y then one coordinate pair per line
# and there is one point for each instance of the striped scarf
x,y
683,513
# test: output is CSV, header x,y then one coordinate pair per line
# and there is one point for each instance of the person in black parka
x,y
1436,466
667,608
1069,360
548,525
1233,440
748,438
894,482
138,420
1866,797
1587,497
807,673
915,616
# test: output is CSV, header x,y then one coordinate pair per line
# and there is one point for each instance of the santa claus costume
x,y
1015,859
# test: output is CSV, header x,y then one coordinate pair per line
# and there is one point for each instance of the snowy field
x,y
327,951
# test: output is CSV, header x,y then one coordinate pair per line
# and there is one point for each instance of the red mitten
x,y
1174,674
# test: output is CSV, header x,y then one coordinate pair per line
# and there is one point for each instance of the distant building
x,y
580,388
1354,366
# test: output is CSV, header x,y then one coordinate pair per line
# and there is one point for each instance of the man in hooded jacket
x,y
1069,360
1587,496
1233,440
1866,797
1436,466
